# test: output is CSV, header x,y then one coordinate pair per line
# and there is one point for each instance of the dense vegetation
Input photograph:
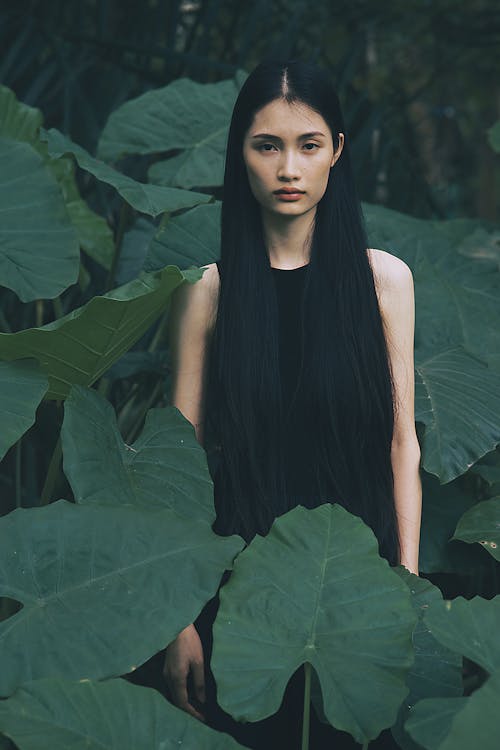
x,y
92,585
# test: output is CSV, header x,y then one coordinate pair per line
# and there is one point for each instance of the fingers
x,y
178,688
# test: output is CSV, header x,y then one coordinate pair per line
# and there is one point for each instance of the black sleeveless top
x,y
300,481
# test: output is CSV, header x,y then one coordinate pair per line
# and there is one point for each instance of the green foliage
x,y
188,116
165,468
150,199
270,622
482,524
105,582
90,715
102,587
445,676
189,238
22,386
79,347
470,628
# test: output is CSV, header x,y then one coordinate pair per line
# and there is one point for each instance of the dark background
x,y
418,79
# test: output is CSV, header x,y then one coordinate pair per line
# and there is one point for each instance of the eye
x,y
262,147
311,144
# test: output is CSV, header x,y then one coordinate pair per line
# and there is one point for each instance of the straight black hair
x,y
345,387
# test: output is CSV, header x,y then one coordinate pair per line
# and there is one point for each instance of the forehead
x,y
287,120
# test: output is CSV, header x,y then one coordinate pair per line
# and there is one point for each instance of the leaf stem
x,y
307,706
120,231
18,473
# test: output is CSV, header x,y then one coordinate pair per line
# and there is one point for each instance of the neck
x,y
288,238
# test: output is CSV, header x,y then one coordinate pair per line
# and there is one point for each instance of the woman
x,y
293,357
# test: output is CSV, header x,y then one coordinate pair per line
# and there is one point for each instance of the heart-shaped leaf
x,y
102,588
182,115
326,612
165,468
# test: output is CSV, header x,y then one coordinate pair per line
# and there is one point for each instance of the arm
x,y
190,321
397,304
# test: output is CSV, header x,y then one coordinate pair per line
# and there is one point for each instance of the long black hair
x,y
345,387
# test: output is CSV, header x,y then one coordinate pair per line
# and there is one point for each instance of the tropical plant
x,y
95,584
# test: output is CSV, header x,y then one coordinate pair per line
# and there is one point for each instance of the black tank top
x,y
300,480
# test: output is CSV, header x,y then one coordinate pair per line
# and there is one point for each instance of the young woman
x,y
293,358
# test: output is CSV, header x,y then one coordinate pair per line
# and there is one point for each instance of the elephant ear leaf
x,y
165,468
102,589
469,627
149,199
481,523
115,715
327,612
22,386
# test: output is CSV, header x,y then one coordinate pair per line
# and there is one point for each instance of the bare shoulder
x,y
392,275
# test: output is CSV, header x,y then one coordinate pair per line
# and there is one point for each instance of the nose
x,y
288,168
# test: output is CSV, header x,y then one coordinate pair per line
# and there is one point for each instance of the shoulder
x,y
389,270
393,277
197,302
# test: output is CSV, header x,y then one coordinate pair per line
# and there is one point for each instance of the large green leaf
x,y
39,255
102,588
192,238
457,301
18,121
94,234
182,115
22,386
21,123
454,391
442,506
471,722
482,524
437,671
469,627
113,715
460,723
82,345
150,199
166,466
311,591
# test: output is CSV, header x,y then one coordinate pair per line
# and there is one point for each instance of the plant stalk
x,y
18,474
307,706
122,223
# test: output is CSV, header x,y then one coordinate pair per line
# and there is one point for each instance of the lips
x,y
288,191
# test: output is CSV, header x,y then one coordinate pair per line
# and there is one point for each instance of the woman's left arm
x,y
397,304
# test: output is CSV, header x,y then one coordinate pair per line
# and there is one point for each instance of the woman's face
x,y
289,146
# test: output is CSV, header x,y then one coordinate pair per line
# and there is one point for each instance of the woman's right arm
x,y
190,323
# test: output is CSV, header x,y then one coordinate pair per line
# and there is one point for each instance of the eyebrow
x,y
277,138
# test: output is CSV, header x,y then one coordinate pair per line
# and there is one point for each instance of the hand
x,y
184,656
